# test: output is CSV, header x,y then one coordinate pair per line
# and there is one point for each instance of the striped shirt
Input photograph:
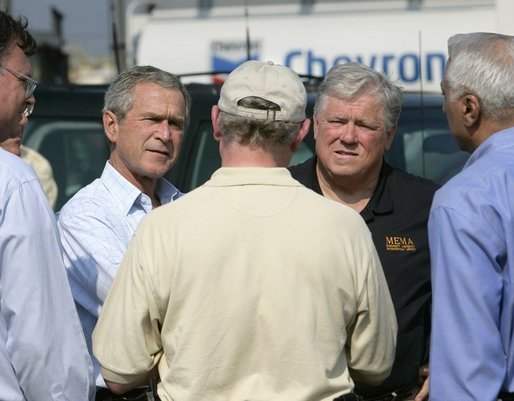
x,y
96,226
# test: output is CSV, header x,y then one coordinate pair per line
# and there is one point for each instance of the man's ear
x,y
304,130
215,111
390,136
315,126
110,122
471,109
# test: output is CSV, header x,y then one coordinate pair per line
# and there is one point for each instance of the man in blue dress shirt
x,y
471,228
43,355
145,115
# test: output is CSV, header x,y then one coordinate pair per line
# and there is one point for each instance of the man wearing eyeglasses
x,y
16,85
17,99
43,354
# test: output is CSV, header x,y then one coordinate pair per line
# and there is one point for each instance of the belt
x,y
399,394
506,396
139,394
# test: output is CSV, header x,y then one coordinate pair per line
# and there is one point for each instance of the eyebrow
x,y
152,114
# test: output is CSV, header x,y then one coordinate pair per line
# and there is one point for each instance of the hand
x,y
423,392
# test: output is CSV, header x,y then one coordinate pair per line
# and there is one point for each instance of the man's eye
x,y
176,125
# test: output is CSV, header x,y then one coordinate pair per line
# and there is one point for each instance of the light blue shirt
x,y
471,233
96,226
43,354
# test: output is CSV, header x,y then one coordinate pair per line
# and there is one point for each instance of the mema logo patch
x,y
403,244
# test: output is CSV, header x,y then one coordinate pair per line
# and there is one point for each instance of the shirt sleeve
x,y
44,339
92,254
372,337
467,358
130,313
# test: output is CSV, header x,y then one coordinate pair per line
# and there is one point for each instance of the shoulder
x,y
14,172
303,169
410,191
327,212
486,182
15,168
93,199
184,206
404,180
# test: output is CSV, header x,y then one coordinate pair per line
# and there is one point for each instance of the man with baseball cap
x,y
250,287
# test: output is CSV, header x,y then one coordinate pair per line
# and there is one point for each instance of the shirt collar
x,y
494,143
235,176
128,195
380,202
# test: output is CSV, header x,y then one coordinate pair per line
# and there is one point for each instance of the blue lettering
x,y
409,62
434,57
372,61
408,67
386,58
290,56
311,61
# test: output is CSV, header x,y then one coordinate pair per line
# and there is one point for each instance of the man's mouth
x,y
160,151
342,152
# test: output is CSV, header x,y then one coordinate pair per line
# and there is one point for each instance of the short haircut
x,y
351,81
257,132
482,64
119,96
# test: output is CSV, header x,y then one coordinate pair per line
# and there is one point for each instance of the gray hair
x,y
483,64
119,96
350,81
254,132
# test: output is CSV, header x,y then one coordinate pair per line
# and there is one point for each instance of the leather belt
x,y
399,394
139,394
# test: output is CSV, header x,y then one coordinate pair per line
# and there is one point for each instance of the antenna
x,y
421,93
115,43
248,42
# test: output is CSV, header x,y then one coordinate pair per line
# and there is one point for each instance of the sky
x,y
85,22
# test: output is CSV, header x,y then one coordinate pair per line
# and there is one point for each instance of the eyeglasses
x,y
30,85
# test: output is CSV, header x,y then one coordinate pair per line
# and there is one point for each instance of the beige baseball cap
x,y
271,82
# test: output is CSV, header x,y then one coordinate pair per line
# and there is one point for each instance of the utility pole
x,y
118,33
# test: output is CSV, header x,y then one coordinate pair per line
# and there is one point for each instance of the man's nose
x,y
29,105
164,131
348,133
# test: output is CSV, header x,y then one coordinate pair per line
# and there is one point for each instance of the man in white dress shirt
x,y
145,114
43,355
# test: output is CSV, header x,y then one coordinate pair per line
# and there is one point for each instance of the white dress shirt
x,y
43,354
96,226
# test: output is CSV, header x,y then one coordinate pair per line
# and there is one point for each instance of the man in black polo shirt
x,y
355,118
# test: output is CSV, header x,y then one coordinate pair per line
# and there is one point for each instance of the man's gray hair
x,y
119,96
482,64
256,132
350,81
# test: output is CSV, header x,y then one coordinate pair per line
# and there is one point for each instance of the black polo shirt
x,y
397,216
